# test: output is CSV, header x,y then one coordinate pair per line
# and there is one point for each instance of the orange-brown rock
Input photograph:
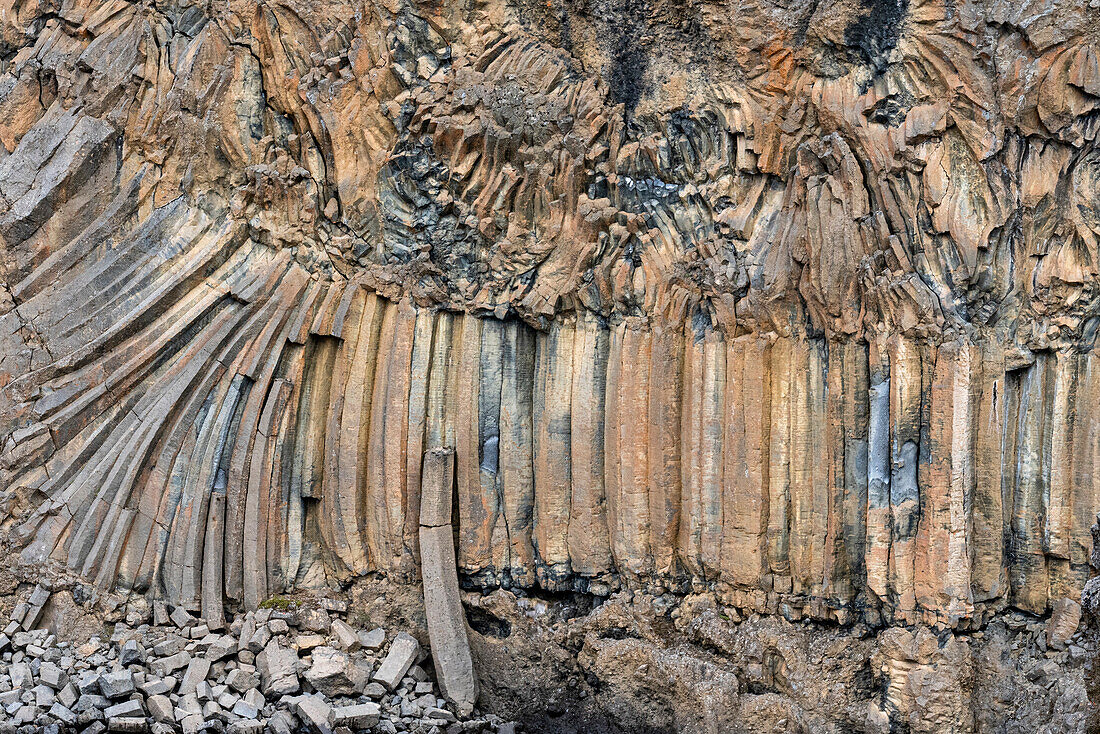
x,y
797,302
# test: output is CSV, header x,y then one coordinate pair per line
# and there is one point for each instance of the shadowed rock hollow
x,y
791,304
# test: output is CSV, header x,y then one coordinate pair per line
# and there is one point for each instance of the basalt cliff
x,y
775,311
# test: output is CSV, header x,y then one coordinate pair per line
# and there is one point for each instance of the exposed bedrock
x,y
796,304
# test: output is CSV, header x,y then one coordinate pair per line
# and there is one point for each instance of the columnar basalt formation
x,y
794,303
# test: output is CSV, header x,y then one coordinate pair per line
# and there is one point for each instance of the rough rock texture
x,y
795,302
644,664
630,663
58,685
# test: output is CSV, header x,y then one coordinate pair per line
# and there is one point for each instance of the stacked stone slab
x,y
171,679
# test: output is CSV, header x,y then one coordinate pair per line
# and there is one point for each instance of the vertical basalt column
x,y
212,609
1028,568
420,371
473,539
443,385
515,553
666,369
808,468
1058,516
247,454
378,469
691,515
989,579
184,583
395,438
483,509
307,460
589,542
309,466
612,481
745,500
942,579
701,439
880,518
288,519
339,437
346,497
906,415
626,441
779,463
711,436
1086,450
439,575
116,540
284,544
846,421
855,397
260,521
553,427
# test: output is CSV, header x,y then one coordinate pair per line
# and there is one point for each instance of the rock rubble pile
x,y
301,668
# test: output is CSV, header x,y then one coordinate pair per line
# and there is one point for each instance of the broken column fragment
x,y
35,604
403,652
446,620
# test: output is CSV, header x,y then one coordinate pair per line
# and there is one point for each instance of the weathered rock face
x,y
634,666
795,301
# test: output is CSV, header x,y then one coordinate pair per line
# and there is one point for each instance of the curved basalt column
x,y
797,304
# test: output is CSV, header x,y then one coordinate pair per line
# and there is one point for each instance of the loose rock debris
x,y
280,671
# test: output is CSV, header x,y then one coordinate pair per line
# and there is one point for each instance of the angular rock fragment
x,y
278,667
359,716
160,708
224,646
117,684
164,666
127,725
35,604
192,724
373,639
402,654
126,709
52,676
132,653
21,675
181,618
62,714
1064,620
314,713
333,674
196,672
346,636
